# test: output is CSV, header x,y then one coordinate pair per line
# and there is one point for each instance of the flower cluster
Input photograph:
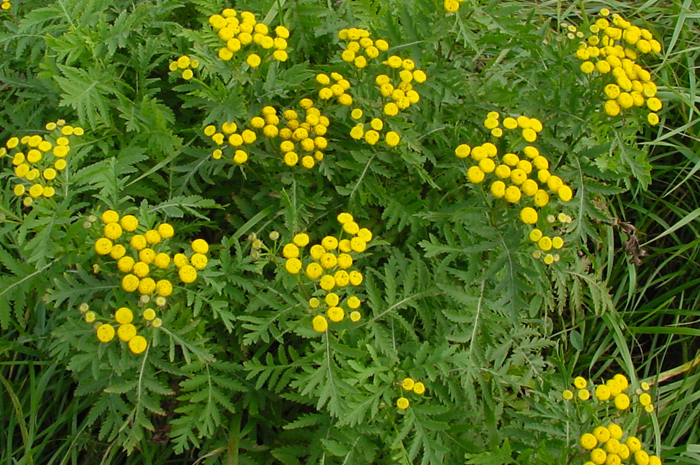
x,y
606,446
246,32
611,51
329,265
409,385
529,127
185,65
612,390
126,330
397,90
142,255
359,48
38,159
372,135
301,136
338,89
512,176
451,6
236,141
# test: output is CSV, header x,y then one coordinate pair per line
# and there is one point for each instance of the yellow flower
x,y
580,383
129,223
567,394
293,265
141,269
407,384
614,386
541,198
583,394
365,234
598,456
615,431
126,332
451,6
419,388
545,243
602,434
124,316
161,260
187,274
320,324
641,457
199,260
103,246
612,108
475,174
529,187
36,190
355,278
342,278
291,158
329,243
391,109
355,316
164,288
290,251
105,333
351,227
535,235
125,264
353,302
357,244
588,441
117,252
633,444
327,282
392,139
402,402
528,215
138,344
645,399
462,151
622,401
109,216
332,299
335,314
200,246
147,286
512,194
328,260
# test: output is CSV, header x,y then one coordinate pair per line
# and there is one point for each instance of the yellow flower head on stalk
x,y
611,56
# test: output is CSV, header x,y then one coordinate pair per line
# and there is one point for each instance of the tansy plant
x,y
289,340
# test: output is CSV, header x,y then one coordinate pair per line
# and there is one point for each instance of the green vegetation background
x,y
457,299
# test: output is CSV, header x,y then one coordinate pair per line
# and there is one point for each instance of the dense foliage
x,y
293,231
